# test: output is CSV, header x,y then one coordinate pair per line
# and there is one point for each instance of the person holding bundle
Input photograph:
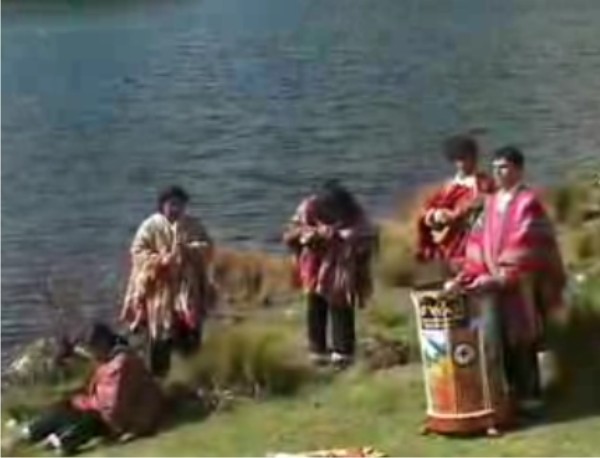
x,y
332,242
169,288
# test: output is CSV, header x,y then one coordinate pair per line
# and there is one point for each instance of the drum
x,y
461,349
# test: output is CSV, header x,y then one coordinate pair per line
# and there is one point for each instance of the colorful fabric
x,y
447,241
357,452
161,294
332,261
518,247
124,394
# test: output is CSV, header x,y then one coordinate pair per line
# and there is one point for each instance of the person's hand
x,y
170,259
429,217
80,402
443,216
167,259
325,231
452,286
198,247
484,283
345,233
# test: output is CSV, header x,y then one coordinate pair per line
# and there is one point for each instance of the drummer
x,y
513,251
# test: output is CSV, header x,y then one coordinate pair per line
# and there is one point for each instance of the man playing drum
x,y
513,252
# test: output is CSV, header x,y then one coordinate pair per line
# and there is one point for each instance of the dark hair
x,y
511,154
172,192
100,335
336,203
460,147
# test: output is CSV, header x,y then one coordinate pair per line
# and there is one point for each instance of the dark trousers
x,y
73,427
520,366
342,326
522,371
158,351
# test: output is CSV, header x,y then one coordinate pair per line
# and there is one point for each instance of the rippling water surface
x,y
248,104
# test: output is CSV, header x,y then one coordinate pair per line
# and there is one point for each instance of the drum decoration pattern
x,y
462,361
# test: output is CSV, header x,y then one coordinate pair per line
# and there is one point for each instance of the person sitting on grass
x,y
121,400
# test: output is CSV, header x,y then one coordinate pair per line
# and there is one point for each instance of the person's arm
x,y
198,240
143,249
361,230
474,268
302,225
431,206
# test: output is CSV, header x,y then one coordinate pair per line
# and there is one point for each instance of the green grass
x,y
382,409
359,407
252,358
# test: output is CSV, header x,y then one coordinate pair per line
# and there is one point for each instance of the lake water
x,y
248,104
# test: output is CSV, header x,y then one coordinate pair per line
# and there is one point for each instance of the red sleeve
x,y
434,199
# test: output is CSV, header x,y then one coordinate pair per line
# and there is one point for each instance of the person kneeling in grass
x,y
120,400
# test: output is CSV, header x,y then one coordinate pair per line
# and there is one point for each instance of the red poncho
x,y
518,247
337,266
124,394
448,241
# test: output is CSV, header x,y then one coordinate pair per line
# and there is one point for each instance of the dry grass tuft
x,y
252,278
249,359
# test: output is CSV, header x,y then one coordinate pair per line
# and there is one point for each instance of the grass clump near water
x,y
394,264
250,359
576,345
261,362
248,279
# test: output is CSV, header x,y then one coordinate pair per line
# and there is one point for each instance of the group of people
x,y
496,237
492,233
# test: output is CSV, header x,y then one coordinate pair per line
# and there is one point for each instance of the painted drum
x,y
465,386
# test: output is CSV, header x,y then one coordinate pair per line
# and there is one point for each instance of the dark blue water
x,y
249,104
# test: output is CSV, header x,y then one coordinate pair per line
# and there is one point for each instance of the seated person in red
x,y
120,399
447,216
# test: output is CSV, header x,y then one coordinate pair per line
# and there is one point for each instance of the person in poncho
x,y
121,399
444,222
513,252
332,240
169,288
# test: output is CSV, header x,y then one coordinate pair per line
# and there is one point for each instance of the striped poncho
x,y
337,265
517,245
162,296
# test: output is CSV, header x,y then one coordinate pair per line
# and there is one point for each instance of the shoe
x,y
341,360
53,442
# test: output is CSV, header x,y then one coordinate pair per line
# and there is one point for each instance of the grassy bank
x,y
251,391
276,402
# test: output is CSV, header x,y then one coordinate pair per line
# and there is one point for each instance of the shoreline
x,y
254,278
